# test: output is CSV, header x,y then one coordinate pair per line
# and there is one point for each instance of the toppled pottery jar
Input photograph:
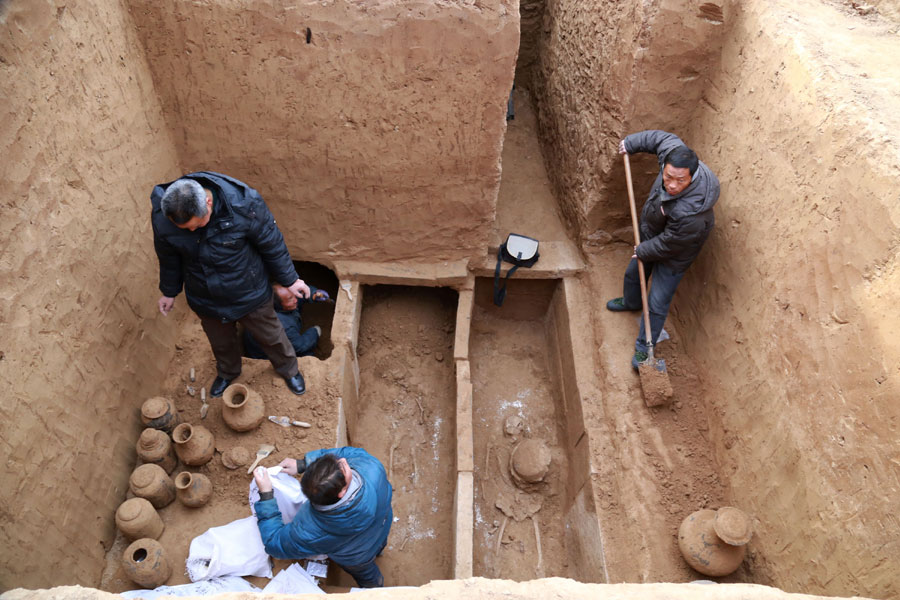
x,y
155,447
136,518
236,457
193,489
144,562
242,408
529,461
194,444
713,542
159,413
153,483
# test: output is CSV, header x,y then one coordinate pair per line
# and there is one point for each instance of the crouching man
x,y
348,516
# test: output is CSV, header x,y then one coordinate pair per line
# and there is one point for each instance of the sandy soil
x,y
407,420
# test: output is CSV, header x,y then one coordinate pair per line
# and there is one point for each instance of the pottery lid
x,y
144,475
132,508
236,457
733,526
155,407
531,460
151,437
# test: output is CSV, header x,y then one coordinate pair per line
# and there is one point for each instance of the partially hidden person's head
x,y
326,480
678,172
187,204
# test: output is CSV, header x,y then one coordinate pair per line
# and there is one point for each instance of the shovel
x,y
264,451
654,379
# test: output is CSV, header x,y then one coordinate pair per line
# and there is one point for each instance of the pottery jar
x,y
145,563
136,518
153,483
155,447
193,489
704,550
159,413
242,408
194,444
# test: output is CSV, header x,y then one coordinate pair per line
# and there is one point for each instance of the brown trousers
x,y
264,326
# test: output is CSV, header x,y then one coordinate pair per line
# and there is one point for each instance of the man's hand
x,y
287,298
299,289
165,304
622,149
261,475
289,465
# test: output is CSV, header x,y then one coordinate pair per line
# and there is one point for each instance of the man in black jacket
x,y
215,237
675,222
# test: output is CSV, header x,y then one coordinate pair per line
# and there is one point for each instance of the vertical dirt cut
x,y
407,420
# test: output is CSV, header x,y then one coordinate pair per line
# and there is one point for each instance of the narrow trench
x,y
519,526
406,419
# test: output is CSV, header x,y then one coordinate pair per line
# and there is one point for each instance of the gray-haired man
x,y
215,237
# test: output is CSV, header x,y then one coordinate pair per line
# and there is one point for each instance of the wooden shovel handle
x,y
648,335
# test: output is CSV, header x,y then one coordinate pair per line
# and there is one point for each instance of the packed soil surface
x,y
514,399
407,420
318,407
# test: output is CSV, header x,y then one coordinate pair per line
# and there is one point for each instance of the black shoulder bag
x,y
521,251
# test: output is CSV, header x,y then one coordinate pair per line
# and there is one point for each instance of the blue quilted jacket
x,y
350,535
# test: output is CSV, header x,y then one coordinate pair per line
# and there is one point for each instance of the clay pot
x,y
136,518
159,413
530,461
145,563
242,408
236,457
193,489
154,447
153,483
194,444
704,548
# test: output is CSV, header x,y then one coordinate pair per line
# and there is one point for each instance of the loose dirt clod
x,y
655,384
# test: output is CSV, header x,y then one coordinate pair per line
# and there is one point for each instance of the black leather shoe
x,y
296,384
218,386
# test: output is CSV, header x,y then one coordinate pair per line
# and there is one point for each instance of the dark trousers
x,y
265,328
659,296
367,575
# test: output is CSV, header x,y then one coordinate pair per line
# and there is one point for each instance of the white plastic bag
x,y
211,587
293,580
233,549
288,495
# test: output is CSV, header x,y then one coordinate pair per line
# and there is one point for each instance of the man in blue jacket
x,y
215,237
348,515
675,222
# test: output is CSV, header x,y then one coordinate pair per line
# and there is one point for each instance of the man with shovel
x,y
675,222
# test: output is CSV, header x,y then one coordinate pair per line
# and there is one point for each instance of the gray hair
x,y
184,200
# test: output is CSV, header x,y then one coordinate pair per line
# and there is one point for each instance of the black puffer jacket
x,y
225,266
674,237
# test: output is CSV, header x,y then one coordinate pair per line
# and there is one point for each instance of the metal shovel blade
x,y
655,382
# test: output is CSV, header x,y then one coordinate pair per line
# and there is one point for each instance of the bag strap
x,y
500,291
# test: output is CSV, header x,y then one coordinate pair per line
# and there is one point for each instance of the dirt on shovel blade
x,y
655,384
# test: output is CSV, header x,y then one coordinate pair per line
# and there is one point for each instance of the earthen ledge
x,y
557,260
491,589
442,274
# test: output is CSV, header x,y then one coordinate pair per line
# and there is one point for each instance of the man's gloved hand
x,y
299,289
319,295
292,466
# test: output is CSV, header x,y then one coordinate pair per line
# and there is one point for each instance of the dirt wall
x,y
792,306
373,129
605,70
83,141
